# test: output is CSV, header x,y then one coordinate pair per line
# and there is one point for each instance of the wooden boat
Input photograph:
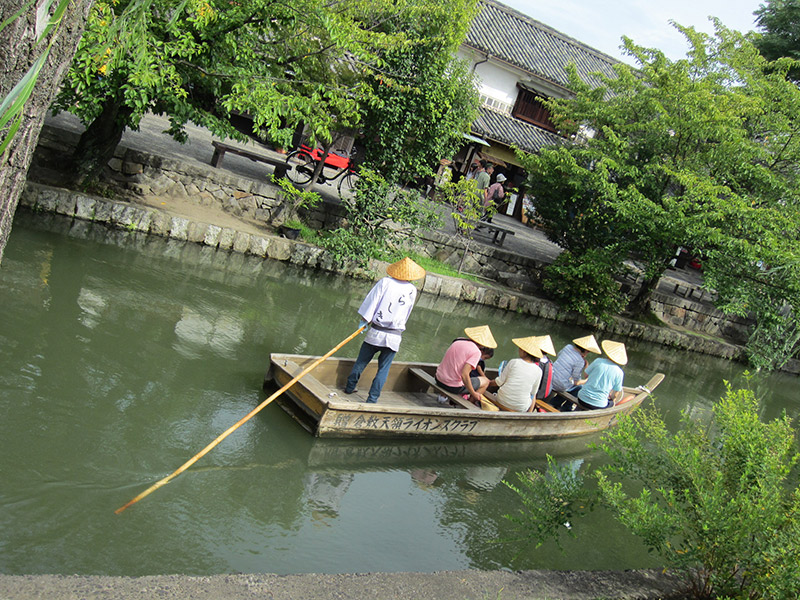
x,y
408,406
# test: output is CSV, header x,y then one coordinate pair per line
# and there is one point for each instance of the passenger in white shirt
x,y
520,378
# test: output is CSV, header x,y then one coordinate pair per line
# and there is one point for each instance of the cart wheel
x,y
299,167
347,183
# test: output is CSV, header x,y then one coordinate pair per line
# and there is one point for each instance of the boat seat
x,y
572,399
431,381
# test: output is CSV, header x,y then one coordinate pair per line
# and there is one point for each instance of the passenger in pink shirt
x,y
463,355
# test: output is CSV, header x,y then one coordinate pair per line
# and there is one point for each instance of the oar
x,y
233,428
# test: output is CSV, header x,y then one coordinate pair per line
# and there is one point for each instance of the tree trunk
x,y
97,144
17,54
640,304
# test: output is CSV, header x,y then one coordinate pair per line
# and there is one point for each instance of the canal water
x,y
121,356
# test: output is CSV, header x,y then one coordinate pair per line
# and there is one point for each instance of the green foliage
x,y
699,152
718,501
551,501
423,100
293,200
779,21
12,105
284,64
380,216
346,247
466,202
585,284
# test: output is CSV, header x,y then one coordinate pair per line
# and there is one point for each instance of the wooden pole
x,y
234,427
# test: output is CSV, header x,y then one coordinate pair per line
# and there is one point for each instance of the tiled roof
x,y
513,37
507,130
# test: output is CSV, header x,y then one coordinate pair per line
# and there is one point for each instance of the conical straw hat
x,y
529,345
545,344
481,335
615,351
587,343
405,270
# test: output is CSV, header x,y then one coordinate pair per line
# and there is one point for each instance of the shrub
x,y
584,284
380,216
717,501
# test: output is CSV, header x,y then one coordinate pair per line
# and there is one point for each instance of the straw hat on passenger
x,y
545,344
587,343
529,345
481,335
615,351
405,270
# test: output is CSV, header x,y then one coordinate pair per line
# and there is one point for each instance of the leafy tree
x,y
701,152
36,48
284,63
380,217
423,99
780,22
719,502
466,202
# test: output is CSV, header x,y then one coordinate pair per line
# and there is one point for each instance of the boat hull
x,y
408,408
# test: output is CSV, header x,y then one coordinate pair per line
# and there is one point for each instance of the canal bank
x,y
449,585
195,223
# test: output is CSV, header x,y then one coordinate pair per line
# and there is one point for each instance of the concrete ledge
x,y
446,585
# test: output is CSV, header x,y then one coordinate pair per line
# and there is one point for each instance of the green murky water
x,y
122,356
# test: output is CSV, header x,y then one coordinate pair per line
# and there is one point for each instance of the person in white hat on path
x,y
493,197
386,309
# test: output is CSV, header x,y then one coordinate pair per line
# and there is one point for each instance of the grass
x,y
436,266
312,236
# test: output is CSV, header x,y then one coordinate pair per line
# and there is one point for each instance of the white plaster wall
x,y
495,80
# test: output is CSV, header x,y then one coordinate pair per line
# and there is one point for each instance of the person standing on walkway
x,y
386,309
493,195
483,177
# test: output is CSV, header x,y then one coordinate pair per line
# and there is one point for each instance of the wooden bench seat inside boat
x,y
431,381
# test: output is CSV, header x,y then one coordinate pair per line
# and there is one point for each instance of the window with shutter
x,y
529,107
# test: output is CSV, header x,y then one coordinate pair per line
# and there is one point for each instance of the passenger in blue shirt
x,y
603,385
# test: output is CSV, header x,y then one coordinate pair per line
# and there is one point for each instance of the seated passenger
x,y
568,368
519,380
546,346
480,370
603,384
463,355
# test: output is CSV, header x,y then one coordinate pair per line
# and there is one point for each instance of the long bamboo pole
x,y
238,424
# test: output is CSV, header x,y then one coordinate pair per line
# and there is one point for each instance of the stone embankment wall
x,y
135,218
139,174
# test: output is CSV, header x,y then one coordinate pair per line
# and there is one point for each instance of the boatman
x,y
386,309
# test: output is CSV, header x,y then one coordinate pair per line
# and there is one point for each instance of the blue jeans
x,y
364,356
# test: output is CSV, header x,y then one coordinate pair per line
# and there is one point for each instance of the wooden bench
x,y
220,149
570,398
498,232
431,381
